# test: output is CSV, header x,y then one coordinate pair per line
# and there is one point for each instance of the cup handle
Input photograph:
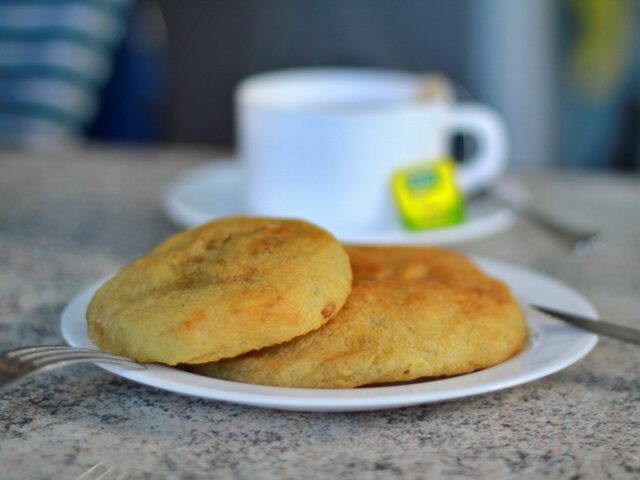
x,y
490,159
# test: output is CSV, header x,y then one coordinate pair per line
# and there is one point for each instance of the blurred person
x,y
601,84
55,57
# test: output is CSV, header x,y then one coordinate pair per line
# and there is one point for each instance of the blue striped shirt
x,y
55,55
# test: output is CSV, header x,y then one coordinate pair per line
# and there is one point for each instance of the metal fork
x,y
24,361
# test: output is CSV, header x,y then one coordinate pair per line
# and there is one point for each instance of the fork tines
x,y
41,357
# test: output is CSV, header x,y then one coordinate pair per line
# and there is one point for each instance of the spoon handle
x,y
579,241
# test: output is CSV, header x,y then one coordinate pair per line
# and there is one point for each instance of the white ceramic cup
x,y
322,143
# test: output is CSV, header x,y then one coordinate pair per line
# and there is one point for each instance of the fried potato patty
x,y
412,313
220,290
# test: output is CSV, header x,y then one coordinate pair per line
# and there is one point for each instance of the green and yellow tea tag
x,y
427,196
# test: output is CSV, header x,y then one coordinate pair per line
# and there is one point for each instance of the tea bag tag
x,y
427,196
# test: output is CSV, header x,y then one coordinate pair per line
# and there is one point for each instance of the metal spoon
x,y
577,240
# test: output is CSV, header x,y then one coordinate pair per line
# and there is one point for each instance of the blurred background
x,y
565,74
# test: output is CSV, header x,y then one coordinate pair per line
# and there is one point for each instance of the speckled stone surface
x,y
70,217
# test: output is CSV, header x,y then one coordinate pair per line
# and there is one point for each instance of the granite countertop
x,y
71,216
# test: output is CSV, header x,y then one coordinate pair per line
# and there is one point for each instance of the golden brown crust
x,y
412,313
221,290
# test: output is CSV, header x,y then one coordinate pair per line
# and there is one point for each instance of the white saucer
x,y
553,346
215,190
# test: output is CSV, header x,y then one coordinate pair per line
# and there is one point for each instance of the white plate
x,y
552,347
215,190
